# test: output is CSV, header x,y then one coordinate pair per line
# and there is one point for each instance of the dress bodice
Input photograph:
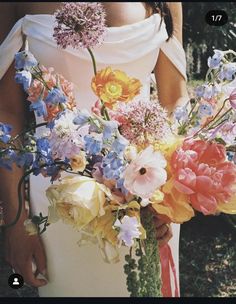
x,y
133,48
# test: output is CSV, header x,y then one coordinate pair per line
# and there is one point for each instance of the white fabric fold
x,y
11,45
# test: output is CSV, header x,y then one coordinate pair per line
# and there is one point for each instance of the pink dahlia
x,y
80,24
200,170
146,173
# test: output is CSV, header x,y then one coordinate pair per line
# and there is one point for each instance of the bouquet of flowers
x,y
126,160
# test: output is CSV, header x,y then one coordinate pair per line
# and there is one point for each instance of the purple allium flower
x,y
142,121
80,24
25,78
129,229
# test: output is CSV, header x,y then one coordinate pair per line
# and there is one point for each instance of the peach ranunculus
x,y
114,85
200,170
146,173
51,78
77,200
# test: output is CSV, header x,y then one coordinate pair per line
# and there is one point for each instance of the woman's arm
x,y
20,249
171,85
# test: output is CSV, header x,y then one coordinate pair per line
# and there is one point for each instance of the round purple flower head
x,y
80,24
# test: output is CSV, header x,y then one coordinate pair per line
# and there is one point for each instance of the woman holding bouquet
x,y
141,38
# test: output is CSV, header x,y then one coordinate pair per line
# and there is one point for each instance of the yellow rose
x,y
77,200
78,162
112,86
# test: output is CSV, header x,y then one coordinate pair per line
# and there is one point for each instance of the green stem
x,y
214,125
93,60
104,110
28,130
202,128
19,191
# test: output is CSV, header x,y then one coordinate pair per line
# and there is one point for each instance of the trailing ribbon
x,y
167,264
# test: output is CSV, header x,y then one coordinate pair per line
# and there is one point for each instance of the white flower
x,y
30,227
128,229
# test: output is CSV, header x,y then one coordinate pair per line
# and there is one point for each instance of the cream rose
x,y
78,162
77,200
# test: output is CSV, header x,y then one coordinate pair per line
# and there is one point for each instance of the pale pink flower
x,y
146,173
80,24
200,170
232,99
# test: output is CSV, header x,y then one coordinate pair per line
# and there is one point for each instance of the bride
x,y
137,43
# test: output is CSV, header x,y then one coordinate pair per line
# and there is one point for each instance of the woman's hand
x,y
163,231
21,250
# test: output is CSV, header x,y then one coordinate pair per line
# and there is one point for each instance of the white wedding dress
x,y
73,270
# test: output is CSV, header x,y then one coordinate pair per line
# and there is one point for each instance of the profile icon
x,y
15,281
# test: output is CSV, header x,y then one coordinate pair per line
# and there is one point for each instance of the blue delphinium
x,y
207,91
82,118
55,96
7,159
25,78
92,146
181,113
39,107
5,130
215,61
110,129
25,60
43,155
24,160
119,144
205,110
228,71
112,166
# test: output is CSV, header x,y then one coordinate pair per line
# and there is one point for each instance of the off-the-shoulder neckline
x,y
110,28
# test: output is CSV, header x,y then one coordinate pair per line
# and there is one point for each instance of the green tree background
x,y
200,38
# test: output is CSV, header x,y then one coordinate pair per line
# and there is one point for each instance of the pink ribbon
x,y
167,264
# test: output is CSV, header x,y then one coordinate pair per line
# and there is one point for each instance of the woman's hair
x,y
163,9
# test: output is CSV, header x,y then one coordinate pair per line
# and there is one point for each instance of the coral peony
x,y
201,171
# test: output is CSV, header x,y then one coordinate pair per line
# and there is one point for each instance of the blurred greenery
x,y
207,258
200,38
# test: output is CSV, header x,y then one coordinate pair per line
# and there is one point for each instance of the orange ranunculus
x,y
112,86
